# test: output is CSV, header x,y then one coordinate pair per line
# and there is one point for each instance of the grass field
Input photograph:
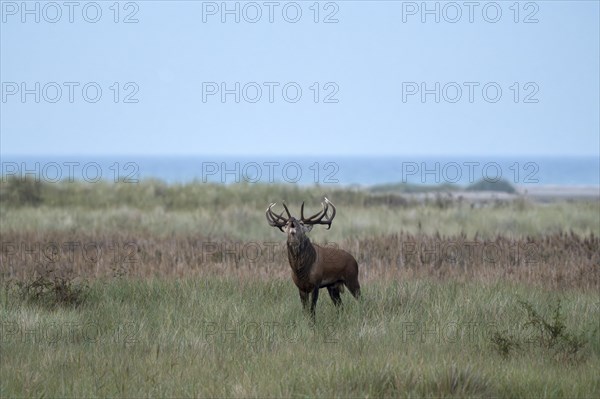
x,y
179,291
225,337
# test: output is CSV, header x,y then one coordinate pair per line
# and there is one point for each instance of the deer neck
x,y
301,255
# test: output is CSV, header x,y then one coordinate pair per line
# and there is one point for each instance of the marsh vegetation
x,y
166,290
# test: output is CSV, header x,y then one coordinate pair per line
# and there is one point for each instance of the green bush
x,y
21,192
486,185
549,334
49,291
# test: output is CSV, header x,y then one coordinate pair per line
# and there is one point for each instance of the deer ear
x,y
308,227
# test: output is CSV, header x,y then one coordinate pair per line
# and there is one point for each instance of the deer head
x,y
296,229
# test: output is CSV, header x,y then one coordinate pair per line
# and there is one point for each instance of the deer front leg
x,y
313,305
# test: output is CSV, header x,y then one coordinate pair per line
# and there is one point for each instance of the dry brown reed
x,y
557,261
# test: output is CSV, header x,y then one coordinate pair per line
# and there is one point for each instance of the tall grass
x,y
235,338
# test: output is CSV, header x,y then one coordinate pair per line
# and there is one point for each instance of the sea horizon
x,y
344,170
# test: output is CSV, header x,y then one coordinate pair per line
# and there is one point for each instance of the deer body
x,y
315,267
306,273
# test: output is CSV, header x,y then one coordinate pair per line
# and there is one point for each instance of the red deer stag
x,y
313,266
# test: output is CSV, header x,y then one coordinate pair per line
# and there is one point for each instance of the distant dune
x,y
537,193
556,192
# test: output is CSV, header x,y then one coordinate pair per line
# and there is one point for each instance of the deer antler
x,y
286,211
274,219
318,217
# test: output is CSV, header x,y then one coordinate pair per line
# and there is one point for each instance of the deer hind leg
x,y
334,293
304,299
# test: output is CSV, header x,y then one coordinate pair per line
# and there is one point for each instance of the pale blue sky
x,y
367,55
